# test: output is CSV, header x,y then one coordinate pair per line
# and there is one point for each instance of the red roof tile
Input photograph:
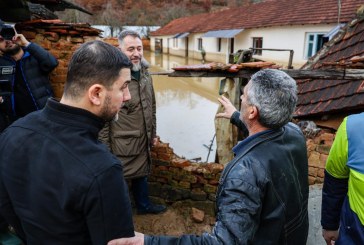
x,y
265,14
318,97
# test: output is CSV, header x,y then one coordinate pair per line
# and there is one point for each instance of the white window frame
x,y
313,42
199,44
257,52
219,44
175,43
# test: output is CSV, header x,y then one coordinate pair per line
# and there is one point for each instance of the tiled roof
x,y
318,97
265,14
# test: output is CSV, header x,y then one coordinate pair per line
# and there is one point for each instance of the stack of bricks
x,y
318,150
175,179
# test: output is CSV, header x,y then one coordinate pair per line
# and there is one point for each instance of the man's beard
x,y
12,51
106,114
136,67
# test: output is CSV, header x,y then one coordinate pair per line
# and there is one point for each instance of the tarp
x,y
223,33
333,31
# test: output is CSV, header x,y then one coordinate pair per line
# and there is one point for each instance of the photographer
x,y
27,66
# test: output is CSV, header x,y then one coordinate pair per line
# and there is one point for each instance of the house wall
x,y
282,37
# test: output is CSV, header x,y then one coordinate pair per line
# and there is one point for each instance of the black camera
x,y
7,32
5,88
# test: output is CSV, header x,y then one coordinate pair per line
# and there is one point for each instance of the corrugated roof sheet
x,y
223,33
318,97
265,14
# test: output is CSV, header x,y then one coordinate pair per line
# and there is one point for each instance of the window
x,y
314,43
257,43
199,44
219,45
175,43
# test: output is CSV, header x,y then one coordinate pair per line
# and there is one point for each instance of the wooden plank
x,y
332,74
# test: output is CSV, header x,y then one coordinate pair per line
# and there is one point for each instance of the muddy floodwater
x,y
186,108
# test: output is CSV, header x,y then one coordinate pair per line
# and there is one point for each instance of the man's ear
x,y
253,112
96,93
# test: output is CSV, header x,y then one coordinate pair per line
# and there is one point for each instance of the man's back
x,y
269,176
65,187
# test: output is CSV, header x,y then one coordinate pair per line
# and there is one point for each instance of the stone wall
x,y
318,149
176,179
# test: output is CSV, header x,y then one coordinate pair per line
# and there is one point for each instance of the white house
x,y
300,28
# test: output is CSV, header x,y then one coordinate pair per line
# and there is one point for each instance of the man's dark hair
x,y
94,62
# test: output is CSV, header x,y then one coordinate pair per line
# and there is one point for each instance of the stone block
x,y
311,180
323,159
197,215
198,195
327,137
311,146
189,178
51,36
180,162
323,149
184,185
201,180
197,185
77,40
213,182
215,168
314,159
321,172
212,197
207,206
210,188
160,163
312,171
164,157
319,180
209,176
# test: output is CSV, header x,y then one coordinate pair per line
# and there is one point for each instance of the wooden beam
x,y
348,74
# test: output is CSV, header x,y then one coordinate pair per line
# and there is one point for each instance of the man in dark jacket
x,y
26,66
263,192
58,183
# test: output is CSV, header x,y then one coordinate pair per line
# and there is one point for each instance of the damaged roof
x,y
265,14
23,10
344,51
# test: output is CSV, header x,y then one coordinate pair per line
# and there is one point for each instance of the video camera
x,y
5,88
7,32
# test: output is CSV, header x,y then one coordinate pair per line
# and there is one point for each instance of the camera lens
x,y
7,32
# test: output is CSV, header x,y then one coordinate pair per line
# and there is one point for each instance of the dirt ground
x,y
174,222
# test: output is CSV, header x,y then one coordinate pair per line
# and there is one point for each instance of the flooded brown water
x,y
186,108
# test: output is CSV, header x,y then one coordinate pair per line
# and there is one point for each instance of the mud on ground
x,y
174,222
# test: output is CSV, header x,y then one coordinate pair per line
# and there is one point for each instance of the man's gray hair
x,y
274,93
125,33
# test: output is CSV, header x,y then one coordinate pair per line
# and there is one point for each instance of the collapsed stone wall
x,y
176,179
